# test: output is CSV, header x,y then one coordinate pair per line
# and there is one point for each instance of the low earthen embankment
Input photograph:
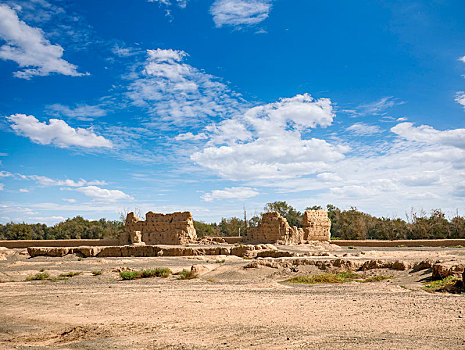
x,y
57,243
159,250
400,243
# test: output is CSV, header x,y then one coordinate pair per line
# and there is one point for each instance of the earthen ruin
x,y
176,228
273,228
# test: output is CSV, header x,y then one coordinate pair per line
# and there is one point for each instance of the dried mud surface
x,y
227,306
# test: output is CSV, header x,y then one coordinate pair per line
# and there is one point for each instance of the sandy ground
x,y
227,307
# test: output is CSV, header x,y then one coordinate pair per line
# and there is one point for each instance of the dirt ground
x,y
226,307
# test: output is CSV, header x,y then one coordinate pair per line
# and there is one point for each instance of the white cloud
x,y
23,190
190,136
377,107
46,181
239,193
80,111
180,3
1,186
28,47
460,98
428,135
69,200
57,132
462,59
362,129
266,141
239,12
176,92
103,195
4,173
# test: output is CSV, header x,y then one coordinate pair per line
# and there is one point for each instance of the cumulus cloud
x,y
80,111
57,132
266,141
429,135
239,12
103,195
239,193
462,59
28,47
176,92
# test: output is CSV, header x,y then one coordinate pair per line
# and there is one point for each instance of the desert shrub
x,y
158,272
376,278
220,261
70,274
341,277
38,277
439,285
97,272
187,275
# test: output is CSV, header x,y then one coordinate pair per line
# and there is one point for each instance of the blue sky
x,y
213,105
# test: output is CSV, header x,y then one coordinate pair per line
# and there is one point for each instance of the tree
x,y
293,217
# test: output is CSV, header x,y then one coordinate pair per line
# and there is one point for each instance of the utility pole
x,y
245,219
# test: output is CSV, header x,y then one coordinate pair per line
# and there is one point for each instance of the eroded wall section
x,y
175,228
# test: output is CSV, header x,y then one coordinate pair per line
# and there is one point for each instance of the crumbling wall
x,y
316,225
175,228
273,228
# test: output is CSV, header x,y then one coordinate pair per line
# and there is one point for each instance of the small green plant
x,y
158,272
363,253
341,277
38,277
220,261
79,259
42,269
401,246
459,246
187,275
59,278
97,273
70,274
351,247
440,285
376,278
130,275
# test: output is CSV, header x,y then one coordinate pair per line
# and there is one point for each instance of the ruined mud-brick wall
x,y
175,228
273,228
316,225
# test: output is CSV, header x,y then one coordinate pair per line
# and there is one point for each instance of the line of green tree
x,y
75,228
351,224
345,224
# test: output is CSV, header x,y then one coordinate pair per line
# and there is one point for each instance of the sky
x,y
214,106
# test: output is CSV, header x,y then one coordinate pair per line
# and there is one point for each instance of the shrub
x,y
341,277
38,277
187,275
97,273
158,272
376,278
220,261
70,274
440,285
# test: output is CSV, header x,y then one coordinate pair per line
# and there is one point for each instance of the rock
x,y
243,250
200,269
446,269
